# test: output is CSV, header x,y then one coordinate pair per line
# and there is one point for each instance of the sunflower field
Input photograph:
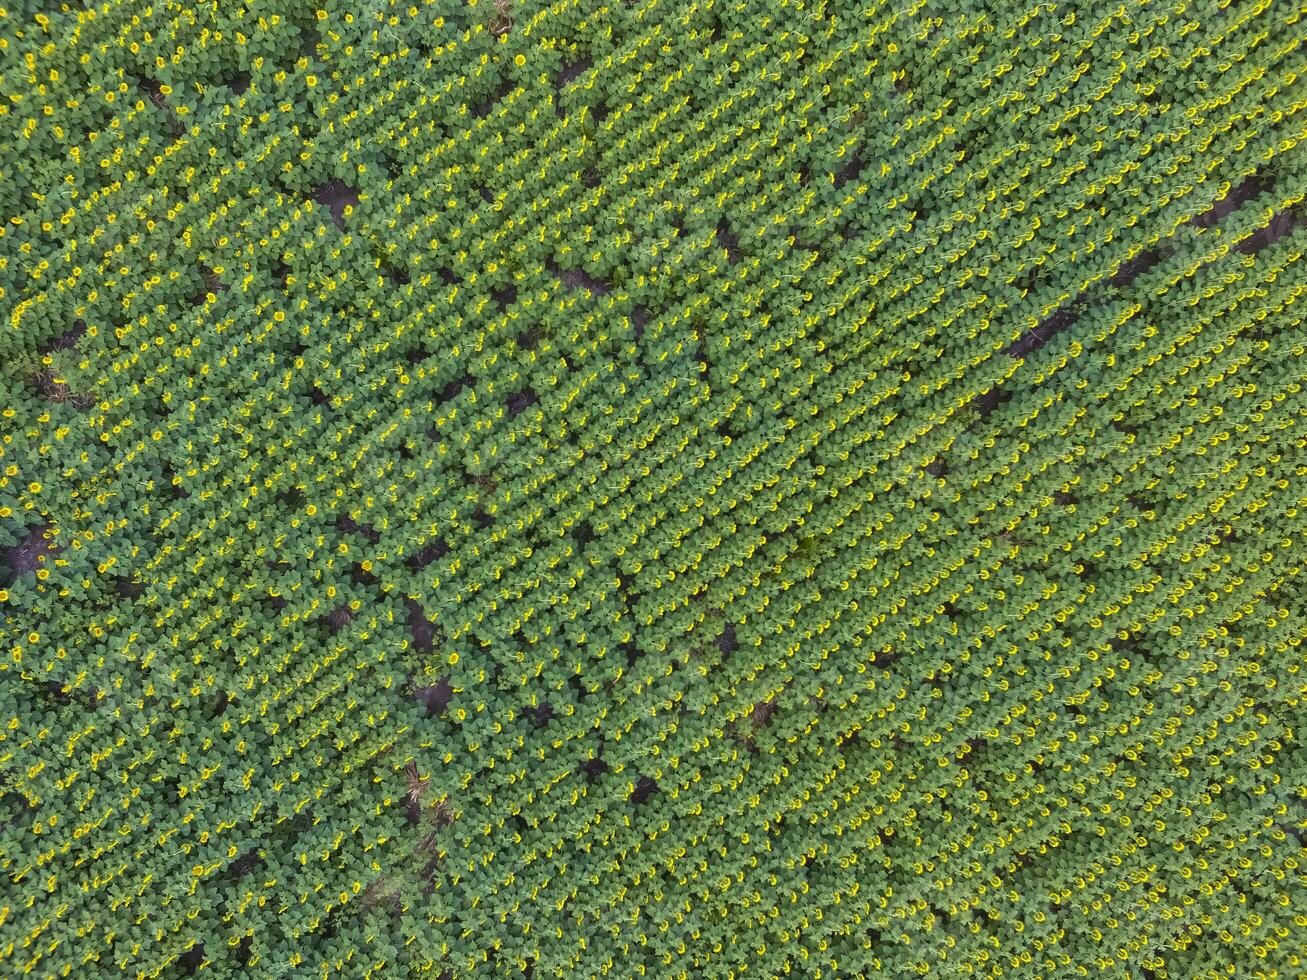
x,y
653,488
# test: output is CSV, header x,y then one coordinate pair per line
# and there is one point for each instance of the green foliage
x,y
663,489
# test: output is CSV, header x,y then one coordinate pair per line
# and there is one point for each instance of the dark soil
x,y
423,629
335,196
30,553
435,697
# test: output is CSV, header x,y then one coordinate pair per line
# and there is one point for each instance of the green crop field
x,y
671,489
